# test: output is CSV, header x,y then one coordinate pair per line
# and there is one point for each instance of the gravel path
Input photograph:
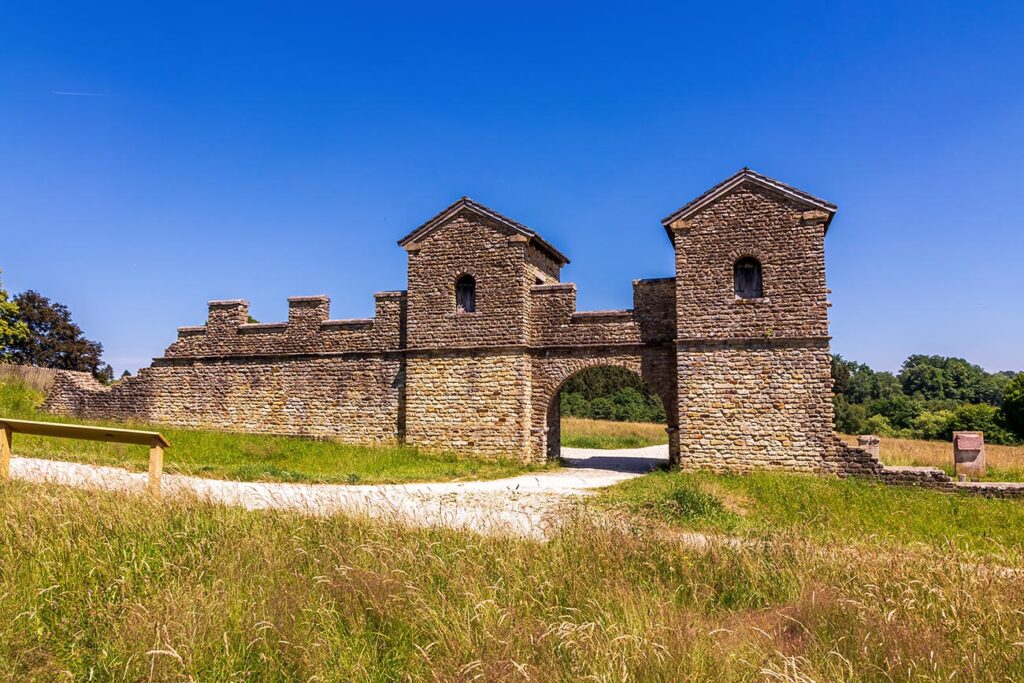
x,y
526,505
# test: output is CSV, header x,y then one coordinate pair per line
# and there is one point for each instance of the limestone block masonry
x,y
476,367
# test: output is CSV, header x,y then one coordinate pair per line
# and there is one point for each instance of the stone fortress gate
x,y
471,357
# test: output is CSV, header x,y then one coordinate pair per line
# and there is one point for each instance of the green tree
x,y
941,377
981,417
54,340
859,383
899,411
12,330
574,405
934,426
849,417
878,425
1012,410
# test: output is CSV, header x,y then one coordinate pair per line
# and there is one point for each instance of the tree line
x,y
930,398
37,331
610,393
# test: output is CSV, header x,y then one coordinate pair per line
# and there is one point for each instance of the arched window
x,y
465,294
747,278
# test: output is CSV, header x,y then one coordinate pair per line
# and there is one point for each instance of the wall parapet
x,y
308,330
554,320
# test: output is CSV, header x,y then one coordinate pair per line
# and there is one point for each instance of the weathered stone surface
x,y
969,454
745,382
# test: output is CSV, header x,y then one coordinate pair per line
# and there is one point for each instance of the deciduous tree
x,y
54,340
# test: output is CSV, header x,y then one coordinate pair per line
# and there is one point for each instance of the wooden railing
x,y
156,443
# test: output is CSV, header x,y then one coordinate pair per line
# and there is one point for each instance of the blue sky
x,y
263,151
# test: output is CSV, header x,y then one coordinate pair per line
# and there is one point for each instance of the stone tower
x,y
467,379
753,364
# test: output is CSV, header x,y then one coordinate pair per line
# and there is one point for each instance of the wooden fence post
x,y
156,466
6,437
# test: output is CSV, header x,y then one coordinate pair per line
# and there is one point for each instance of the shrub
x,y
1013,405
934,426
980,417
899,411
849,417
877,425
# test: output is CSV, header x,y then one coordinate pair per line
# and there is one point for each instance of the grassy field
x,y
581,433
249,457
103,587
824,509
1005,463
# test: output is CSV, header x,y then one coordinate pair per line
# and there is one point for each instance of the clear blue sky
x,y
266,151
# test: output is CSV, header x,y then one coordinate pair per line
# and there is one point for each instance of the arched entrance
x,y
652,369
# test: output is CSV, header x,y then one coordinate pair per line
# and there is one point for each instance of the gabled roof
x,y
744,176
467,204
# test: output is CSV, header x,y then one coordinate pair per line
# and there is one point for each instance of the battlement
x,y
308,330
554,320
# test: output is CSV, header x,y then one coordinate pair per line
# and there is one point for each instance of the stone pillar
x,y
227,315
969,454
673,445
870,443
305,313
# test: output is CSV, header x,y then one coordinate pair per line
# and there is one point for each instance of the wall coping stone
x,y
262,327
626,314
556,287
315,297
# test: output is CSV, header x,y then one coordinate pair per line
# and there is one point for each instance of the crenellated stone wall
x,y
745,382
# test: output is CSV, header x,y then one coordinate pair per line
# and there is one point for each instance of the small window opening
x,y
747,278
465,294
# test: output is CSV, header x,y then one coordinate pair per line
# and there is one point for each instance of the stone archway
x,y
654,366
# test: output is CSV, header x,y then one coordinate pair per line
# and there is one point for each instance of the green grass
x,y
827,510
96,586
250,457
604,441
608,434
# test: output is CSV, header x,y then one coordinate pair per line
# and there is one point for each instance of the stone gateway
x,y
471,357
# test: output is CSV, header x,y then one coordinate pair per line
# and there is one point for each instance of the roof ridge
x,y
466,203
736,179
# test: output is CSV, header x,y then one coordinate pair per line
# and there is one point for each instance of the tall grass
x,y
102,587
824,509
1005,463
39,380
583,433
249,457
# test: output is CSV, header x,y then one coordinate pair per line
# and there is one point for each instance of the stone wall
x,y
310,376
753,405
469,403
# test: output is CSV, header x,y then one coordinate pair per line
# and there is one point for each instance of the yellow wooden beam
x,y
156,465
5,452
83,431
69,431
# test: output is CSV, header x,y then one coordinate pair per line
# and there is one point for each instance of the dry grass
x,y
582,433
1006,462
36,379
104,587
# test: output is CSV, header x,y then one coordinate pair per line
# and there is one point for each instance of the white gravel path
x,y
525,505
